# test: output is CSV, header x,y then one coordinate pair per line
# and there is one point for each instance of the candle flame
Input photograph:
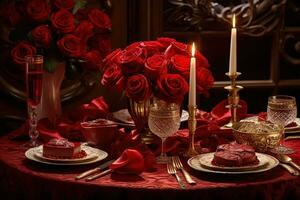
x,y
193,50
233,21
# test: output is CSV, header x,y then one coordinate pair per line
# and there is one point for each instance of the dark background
x,y
270,64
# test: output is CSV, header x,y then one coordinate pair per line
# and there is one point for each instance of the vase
x,y
139,111
50,106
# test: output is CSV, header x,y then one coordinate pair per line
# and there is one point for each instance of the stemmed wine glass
x,y
164,121
282,110
34,79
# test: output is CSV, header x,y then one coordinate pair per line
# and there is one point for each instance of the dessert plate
x,y
205,162
124,116
292,129
90,154
201,163
93,155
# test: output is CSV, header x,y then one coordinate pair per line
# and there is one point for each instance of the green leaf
x,y
51,64
79,5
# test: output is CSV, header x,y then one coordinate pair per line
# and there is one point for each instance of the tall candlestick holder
x,y
233,98
192,124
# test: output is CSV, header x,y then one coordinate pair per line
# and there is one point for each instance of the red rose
x,y
71,46
172,88
42,36
155,66
20,51
10,15
177,48
132,60
84,30
133,46
100,20
137,87
67,4
82,14
113,56
38,10
181,64
165,41
204,79
92,60
63,21
113,77
151,47
101,43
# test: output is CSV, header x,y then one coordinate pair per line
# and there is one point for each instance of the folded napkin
x,y
131,161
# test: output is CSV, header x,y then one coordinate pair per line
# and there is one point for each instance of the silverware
x,y
290,169
171,170
93,177
292,137
287,160
177,164
95,170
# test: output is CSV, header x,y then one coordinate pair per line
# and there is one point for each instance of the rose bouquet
x,y
61,30
159,68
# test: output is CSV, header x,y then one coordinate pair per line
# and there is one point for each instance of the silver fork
x,y
178,165
171,170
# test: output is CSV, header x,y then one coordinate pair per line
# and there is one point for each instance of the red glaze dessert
x,y
62,148
234,155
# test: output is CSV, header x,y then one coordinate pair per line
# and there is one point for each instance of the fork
x,y
171,170
178,165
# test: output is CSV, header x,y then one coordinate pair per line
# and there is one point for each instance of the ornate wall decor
x,y
255,17
291,49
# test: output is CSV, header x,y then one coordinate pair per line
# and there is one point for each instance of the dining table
x,y
21,178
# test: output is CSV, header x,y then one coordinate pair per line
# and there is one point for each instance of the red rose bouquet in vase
x,y
69,33
154,69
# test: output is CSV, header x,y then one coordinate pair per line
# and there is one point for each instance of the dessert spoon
x,y
286,159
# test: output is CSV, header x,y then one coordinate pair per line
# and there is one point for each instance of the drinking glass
x,y
282,110
34,76
163,121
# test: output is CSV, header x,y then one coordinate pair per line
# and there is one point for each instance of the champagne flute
x,y
34,79
164,121
282,110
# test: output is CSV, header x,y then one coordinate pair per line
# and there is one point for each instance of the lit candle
x,y
232,61
192,89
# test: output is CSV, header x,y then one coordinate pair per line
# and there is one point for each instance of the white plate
x,y
124,116
99,155
294,129
92,153
195,163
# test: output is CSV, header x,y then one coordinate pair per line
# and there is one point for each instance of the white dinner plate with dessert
x,y
203,163
63,152
91,153
31,155
295,128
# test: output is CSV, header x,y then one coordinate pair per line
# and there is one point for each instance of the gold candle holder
x,y
233,98
192,124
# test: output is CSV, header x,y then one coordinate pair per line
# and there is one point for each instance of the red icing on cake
x,y
62,148
234,155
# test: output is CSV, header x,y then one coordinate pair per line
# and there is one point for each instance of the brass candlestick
x,y
233,97
192,123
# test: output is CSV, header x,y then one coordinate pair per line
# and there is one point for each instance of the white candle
x,y
192,85
232,61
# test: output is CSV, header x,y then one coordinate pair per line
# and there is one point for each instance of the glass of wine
x,y
163,121
282,110
34,79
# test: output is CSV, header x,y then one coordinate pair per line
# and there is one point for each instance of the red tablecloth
x,y
24,179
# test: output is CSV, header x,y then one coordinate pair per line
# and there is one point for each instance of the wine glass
x,y
282,110
164,121
34,79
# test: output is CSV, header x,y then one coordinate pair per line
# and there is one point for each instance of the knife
x,y
90,178
95,170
